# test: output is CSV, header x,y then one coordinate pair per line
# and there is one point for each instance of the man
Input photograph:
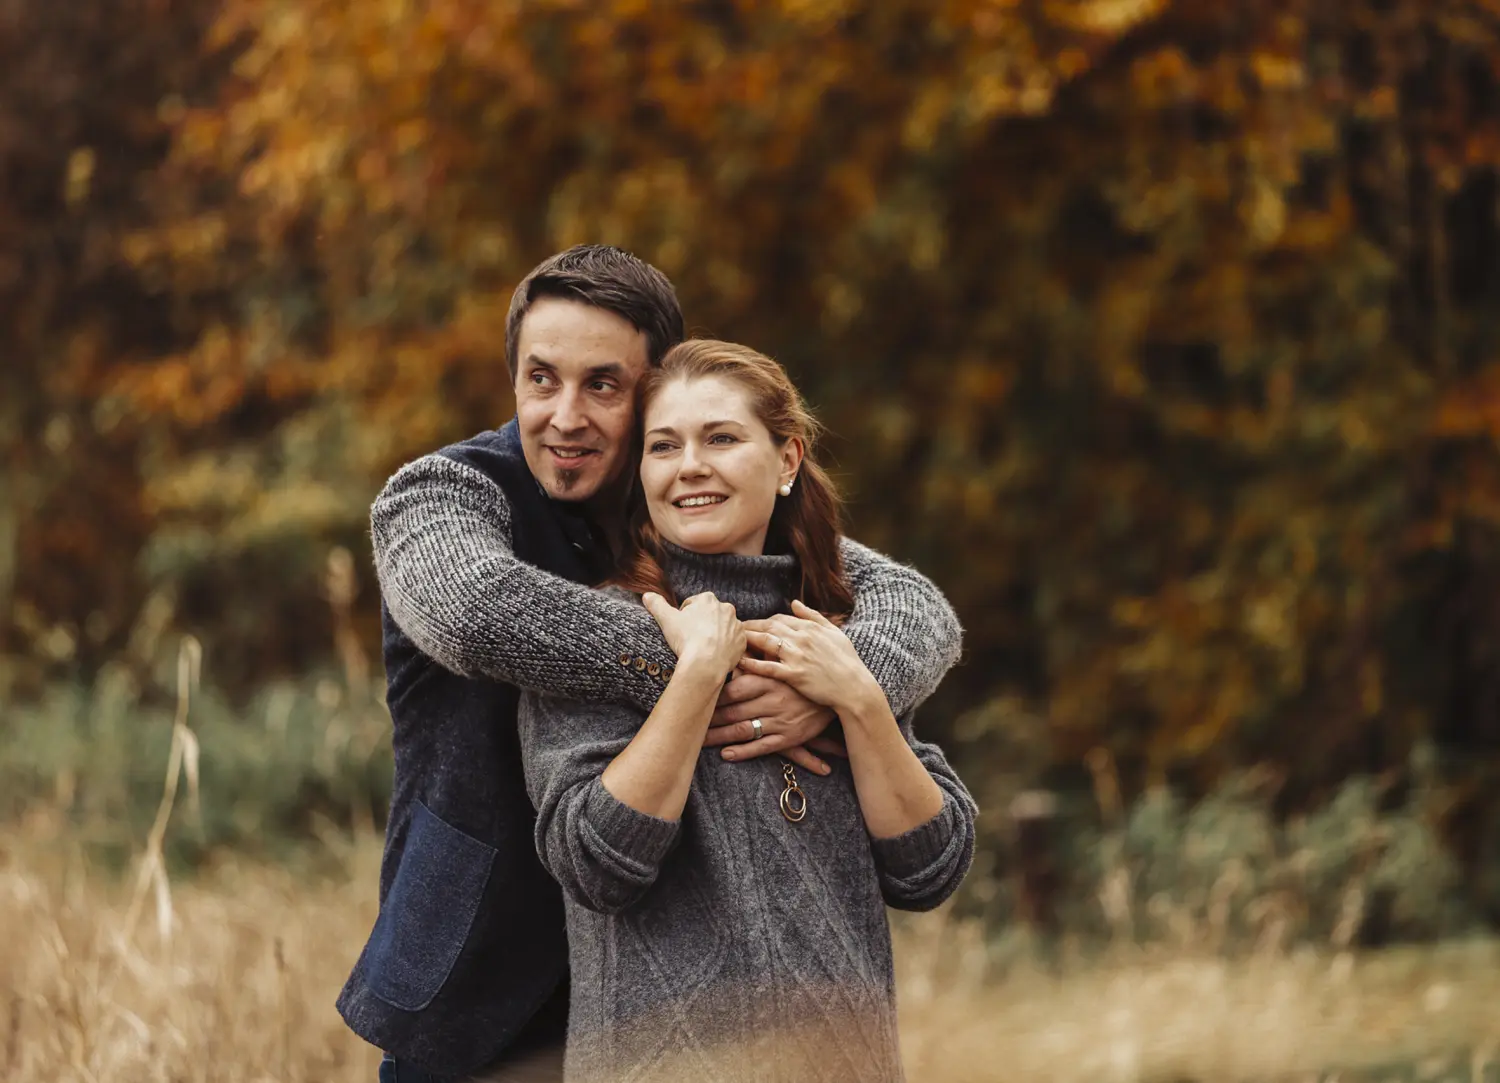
x,y
485,552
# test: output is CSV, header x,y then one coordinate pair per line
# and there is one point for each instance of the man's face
x,y
576,371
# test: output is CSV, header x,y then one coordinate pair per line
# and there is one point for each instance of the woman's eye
x,y
659,447
721,438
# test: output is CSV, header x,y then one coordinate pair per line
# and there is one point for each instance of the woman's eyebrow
x,y
667,430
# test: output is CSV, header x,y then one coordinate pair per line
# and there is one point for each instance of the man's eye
x,y
601,386
539,377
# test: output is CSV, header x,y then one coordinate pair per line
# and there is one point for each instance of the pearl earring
x,y
786,488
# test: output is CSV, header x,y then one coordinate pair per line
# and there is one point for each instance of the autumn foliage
x,y
1165,334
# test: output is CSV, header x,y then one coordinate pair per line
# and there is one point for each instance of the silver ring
x,y
755,728
778,645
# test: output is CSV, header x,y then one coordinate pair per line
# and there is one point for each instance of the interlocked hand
x,y
809,652
789,722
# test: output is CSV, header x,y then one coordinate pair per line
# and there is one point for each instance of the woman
x,y
727,920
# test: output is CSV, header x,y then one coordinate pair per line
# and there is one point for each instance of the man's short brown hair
x,y
605,277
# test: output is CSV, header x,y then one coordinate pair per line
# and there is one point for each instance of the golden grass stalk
x,y
183,758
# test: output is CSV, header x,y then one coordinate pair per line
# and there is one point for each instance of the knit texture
x,y
730,945
448,574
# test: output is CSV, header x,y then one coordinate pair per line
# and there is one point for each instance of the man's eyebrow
x,y
609,368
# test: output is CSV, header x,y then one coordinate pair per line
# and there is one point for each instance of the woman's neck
x,y
758,586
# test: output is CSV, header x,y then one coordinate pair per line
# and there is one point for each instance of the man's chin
x,y
582,486
571,486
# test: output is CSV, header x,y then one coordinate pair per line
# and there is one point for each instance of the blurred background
x,y
1163,334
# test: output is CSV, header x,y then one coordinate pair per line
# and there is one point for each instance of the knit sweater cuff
x,y
908,855
631,834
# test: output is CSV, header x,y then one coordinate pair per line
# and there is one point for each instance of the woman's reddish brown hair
x,y
806,524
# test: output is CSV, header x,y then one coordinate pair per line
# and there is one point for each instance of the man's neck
x,y
607,512
607,507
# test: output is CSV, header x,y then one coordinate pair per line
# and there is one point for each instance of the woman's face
x,y
710,469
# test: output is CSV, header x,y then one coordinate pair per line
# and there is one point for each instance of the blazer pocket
x,y
429,911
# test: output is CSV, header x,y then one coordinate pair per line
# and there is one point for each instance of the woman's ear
x,y
791,459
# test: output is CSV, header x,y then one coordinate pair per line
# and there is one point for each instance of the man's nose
x,y
568,415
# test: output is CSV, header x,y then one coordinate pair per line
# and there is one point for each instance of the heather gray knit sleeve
x,y
605,854
905,631
921,868
448,574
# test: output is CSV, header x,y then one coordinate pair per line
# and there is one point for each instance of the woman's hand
x,y
654,772
810,653
703,631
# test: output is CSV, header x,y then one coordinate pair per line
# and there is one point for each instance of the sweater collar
x,y
758,587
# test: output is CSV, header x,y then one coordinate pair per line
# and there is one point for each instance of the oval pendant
x,y
793,800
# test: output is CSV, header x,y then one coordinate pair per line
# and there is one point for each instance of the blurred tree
x,y
1162,333
82,103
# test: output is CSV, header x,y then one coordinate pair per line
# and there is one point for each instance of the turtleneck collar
x,y
758,587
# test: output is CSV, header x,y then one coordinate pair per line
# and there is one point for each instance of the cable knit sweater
x,y
732,944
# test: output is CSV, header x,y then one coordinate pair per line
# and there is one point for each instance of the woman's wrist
x,y
865,705
700,667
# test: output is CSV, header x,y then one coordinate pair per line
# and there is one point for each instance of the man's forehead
x,y
582,339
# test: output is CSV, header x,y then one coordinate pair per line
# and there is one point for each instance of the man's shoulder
x,y
496,453
488,467
619,593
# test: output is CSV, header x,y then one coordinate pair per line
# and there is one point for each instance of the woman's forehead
x,y
694,401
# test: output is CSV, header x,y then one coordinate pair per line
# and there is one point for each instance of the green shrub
x,y
302,758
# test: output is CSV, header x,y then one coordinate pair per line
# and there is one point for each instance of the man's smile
x,y
572,455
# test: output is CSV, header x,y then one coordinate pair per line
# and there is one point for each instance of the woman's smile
x,y
699,502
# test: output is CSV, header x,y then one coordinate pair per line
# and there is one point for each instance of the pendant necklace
x,y
793,800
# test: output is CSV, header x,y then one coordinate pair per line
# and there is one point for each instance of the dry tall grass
x,y
234,981
231,977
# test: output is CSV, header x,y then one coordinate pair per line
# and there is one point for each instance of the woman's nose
x,y
692,466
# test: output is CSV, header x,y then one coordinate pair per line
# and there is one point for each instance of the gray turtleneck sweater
x,y
732,944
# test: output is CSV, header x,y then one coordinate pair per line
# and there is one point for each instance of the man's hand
x,y
789,723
